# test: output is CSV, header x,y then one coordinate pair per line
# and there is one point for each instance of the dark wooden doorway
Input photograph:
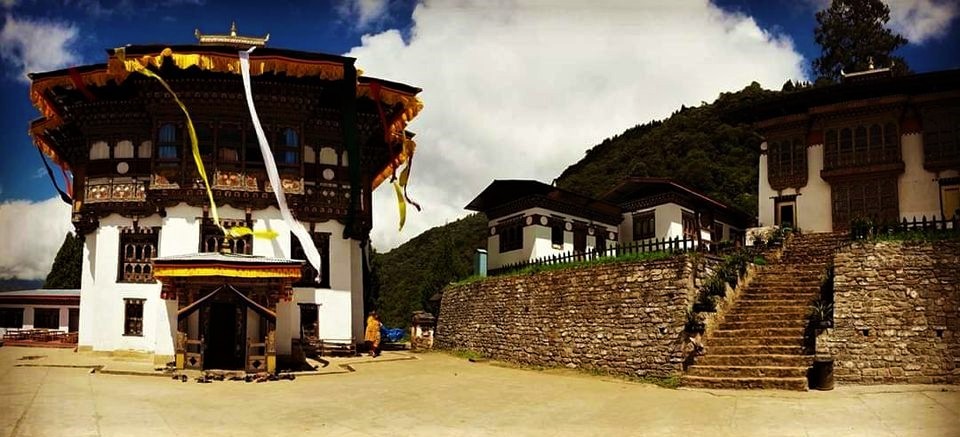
x,y
222,336
74,320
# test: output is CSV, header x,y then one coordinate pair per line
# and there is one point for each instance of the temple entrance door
x,y
224,350
786,214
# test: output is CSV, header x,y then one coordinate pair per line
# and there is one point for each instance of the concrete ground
x,y
436,394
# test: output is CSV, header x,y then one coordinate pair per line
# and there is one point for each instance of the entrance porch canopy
x,y
225,264
179,270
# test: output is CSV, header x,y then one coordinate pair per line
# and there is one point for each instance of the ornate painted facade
x,y
137,195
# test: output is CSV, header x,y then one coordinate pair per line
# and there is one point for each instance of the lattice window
x,y
137,247
308,274
861,145
168,142
644,225
556,232
689,222
874,199
287,151
580,239
133,317
511,236
211,236
941,136
787,163
205,138
229,142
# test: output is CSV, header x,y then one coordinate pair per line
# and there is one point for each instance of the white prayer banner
x,y
313,256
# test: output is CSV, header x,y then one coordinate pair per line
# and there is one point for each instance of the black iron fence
x,y
865,228
675,245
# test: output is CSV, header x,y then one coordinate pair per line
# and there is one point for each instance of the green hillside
x,y
405,278
693,145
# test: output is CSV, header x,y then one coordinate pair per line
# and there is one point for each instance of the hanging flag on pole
x,y
313,256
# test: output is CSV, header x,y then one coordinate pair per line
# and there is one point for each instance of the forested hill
x,y
693,146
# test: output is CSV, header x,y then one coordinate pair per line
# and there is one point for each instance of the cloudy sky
x,y
513,89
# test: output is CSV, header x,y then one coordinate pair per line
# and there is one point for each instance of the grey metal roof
x,y
214,257
42,292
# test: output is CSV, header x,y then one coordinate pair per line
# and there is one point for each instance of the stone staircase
x,y
759,343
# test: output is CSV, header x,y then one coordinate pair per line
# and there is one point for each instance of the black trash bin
x,y
820,376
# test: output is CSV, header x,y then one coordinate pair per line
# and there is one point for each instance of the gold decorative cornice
x,y
231,40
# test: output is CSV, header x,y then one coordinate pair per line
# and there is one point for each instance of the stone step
x,y
751,305
747,371
767,360
761,324
740,309
758,332
734,316
796,384
755,341
755,350
751,295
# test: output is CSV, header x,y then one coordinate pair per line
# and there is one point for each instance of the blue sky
x,y
496,78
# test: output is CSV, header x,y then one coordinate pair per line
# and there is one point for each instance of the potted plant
x,y
821,313
706,304
696,322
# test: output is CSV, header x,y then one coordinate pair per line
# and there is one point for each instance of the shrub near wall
x,y
896,313
625,318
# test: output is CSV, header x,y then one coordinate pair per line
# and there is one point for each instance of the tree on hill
x,y
851,33
65,272
409,275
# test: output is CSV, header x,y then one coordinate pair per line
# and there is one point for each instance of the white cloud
x,y
922,20
917,20
37,45
39,173
363,12
522,89
30,235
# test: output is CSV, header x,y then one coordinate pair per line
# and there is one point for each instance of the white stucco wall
x,y
765,193
919,188
102,305
537,239
668,223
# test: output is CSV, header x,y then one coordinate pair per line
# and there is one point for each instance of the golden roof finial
x,y
231,40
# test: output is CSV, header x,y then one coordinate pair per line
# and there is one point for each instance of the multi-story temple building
x,y
873,147
154,276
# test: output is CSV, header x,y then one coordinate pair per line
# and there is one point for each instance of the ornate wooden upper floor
x,y
125,139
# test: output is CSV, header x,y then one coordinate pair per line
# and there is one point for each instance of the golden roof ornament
x,y
232,39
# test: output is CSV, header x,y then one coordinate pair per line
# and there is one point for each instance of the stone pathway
x,y
441,395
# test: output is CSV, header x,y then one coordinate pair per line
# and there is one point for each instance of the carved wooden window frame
x,y
133,317
688,221
941,137
787,162
308,274
874,198
867,142
211,236
511,236
165,144
138,246
644,225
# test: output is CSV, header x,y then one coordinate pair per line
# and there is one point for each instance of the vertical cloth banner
x,y
313,256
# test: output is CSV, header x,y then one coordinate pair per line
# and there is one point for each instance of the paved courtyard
x,y
436,394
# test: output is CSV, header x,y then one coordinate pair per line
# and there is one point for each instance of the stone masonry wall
x,y
896,314
626,318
